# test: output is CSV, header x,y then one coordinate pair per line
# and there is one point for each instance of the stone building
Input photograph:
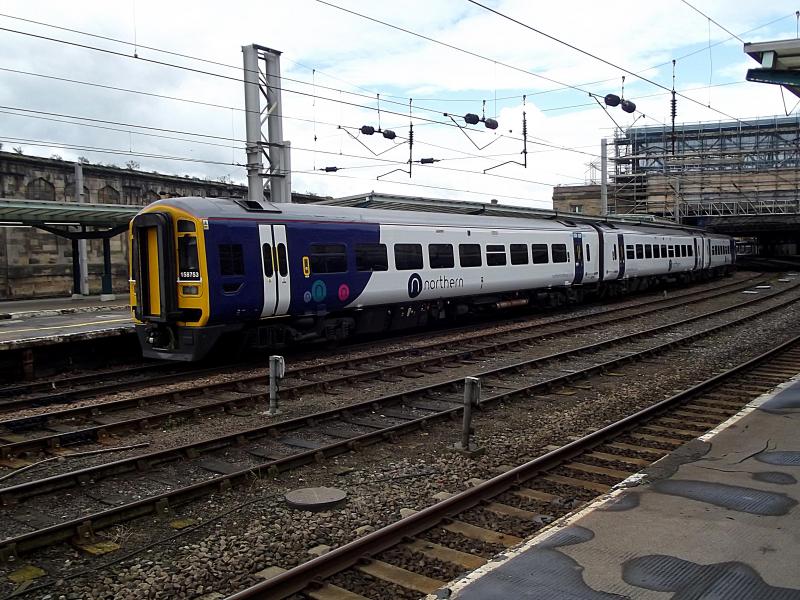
x,y
36,263
577,199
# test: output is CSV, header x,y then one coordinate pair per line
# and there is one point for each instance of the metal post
x,y
252,106
76,271
276,148
107,291
276,370
472,394
604,177
83,255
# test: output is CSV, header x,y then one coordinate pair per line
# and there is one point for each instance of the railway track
x,y
98,421
64,390
420,553
165,479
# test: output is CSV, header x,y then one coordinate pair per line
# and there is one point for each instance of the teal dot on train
x,y
318,291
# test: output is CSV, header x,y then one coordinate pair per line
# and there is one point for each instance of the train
x,y
206,271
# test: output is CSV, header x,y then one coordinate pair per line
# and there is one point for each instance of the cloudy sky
x,y
180,111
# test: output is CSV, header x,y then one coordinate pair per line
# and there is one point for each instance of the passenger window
x,y
328,258
469,255
266,254
519,254
495,255
639,251
684,250
371,257
614,252
231,260
629,253
671,250
539,254
283,264
407,257
663,251
691,250
648,251
588,256
441,256
656,252
559,253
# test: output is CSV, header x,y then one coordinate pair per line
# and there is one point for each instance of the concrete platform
x,y
718,520
47,307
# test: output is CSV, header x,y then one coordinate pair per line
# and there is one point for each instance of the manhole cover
x,y
316,498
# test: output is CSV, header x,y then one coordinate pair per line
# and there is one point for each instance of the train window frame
x,y
231,260
496,255
327,258
656,251
371,258
268,261
671,251
683,250
409,257
188,258
519,254
539,252
648,251
441,256
470,255
588,254
630,252
663,251
556,251
186,226
639,251
690,250
614,252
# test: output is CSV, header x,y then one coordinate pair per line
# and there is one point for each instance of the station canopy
x,y
48,212
780,63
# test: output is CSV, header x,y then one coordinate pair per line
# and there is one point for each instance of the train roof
x,y
236,208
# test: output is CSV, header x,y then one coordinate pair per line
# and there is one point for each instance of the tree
x,y
132,165
56,157
18,150
83,160
225,179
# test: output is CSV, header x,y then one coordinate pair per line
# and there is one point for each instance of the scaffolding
x,y
723,168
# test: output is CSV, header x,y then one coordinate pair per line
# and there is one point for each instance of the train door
x,y
708,253
577,243
621,254
694,241
282,268
275,262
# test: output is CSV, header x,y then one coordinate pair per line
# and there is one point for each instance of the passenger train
x,y
203,269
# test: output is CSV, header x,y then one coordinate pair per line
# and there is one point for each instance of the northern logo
x,y
414,285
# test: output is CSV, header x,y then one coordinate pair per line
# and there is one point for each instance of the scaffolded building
x,y
705,170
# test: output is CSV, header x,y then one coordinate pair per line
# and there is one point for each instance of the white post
x,y
82,249
276,371
252,106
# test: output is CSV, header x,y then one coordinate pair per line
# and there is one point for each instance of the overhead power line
x,y
725,29
595,57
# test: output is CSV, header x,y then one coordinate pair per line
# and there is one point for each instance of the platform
x,y
718,519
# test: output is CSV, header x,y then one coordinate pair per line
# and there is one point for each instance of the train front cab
x,y
169,293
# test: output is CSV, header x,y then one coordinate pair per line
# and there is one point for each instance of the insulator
x,y
367,130
490,124
427,161
628,106
611,100
673,106
331,169
472,119
389,134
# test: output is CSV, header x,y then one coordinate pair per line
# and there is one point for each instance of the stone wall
x,y
577,199
36,263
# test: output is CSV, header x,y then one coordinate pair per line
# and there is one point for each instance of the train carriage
x,y
203,269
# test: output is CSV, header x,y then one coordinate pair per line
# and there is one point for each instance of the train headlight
x,y
190,290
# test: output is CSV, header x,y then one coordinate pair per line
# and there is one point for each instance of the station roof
x,y
780,63
466,207
15,211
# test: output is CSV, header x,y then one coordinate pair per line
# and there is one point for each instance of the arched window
x,y
41,189
108,195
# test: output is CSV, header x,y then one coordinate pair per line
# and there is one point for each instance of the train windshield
x,y
188,262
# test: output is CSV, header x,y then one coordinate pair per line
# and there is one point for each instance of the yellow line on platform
x,y
128,319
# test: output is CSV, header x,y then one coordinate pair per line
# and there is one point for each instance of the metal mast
x,y
266,83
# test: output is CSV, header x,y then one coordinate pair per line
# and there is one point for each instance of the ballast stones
x,y
315,499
